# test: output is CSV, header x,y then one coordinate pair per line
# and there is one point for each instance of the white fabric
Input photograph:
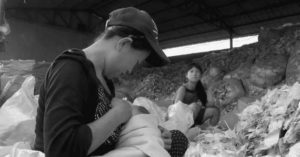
x,y
151,107
17,122
18,110
140,138
180,117
19,149
294,150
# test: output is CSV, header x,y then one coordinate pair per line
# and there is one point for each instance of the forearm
x,y
179,94
103,127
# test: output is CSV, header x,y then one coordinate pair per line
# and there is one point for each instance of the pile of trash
x,y
14,72
267,127
274,60
225,92
214,142
272,125
154,83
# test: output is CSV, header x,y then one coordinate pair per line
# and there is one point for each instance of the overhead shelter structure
x,y
180,22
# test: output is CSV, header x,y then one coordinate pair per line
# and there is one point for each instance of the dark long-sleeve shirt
x,y
70,97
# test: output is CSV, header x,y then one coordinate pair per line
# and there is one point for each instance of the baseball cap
x,y
142,22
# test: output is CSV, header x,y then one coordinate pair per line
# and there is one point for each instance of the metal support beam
x,y
230,40
264,8
55,18
99,16
143,3
167,9
189,1
235,26
101,4
212,13
268,19
63,20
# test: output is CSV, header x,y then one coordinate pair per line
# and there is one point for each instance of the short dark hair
x,y
197,66
139,40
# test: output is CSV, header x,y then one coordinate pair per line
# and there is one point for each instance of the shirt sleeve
x,y
65,133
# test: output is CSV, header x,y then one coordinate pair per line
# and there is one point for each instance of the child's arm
x,y
179,94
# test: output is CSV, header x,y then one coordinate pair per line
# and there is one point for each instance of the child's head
x,y
194,73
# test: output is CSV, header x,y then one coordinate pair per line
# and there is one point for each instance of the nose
x,y
196,74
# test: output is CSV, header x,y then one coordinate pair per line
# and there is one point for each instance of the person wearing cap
x,y
78,113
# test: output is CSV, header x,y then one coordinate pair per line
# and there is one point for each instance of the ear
x,y
124,44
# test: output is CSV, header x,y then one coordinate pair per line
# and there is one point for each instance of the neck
x,y
191,85
96,53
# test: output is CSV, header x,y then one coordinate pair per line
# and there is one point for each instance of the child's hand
x,y
199,103
166,136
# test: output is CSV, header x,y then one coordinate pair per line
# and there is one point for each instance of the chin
x,y
195,80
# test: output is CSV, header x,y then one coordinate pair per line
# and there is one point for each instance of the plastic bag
x,y
17,115
9,85
294,150
151,107
180,117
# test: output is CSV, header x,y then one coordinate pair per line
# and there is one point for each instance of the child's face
x,y
193,74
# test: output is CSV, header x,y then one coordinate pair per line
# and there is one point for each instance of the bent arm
x,y
65,130
179,94
103,127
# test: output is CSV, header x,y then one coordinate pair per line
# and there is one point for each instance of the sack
x,y
17,115
23,131
293,66
213,74
242,72
268,70
225,92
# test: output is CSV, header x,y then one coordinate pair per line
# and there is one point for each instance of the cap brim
x,y
158,57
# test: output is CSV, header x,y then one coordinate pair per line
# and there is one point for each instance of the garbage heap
x,y
273,61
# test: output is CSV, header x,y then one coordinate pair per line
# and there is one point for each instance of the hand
x,y
199,103
167,137
123,109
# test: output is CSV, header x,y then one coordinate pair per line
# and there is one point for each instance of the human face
x,y
193,75
132,59
123,58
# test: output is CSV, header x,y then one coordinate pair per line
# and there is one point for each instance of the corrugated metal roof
x,y
179,21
